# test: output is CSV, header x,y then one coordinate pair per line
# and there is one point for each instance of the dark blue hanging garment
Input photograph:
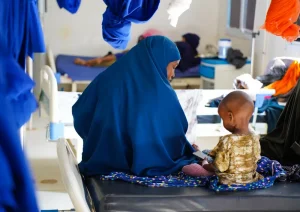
x,y
17,103
20,36
118,16
70,5
130,118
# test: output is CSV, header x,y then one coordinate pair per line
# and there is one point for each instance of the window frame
x,y
240,32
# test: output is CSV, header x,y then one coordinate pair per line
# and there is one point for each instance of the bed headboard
x,y
50,59
48,97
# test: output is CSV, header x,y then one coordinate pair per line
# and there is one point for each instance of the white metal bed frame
x,y
49,102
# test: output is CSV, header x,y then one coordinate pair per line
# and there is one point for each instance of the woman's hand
x,y
196,147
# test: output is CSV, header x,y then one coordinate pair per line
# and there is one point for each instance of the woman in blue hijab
x,y
130,118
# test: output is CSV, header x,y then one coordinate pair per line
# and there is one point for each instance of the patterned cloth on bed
x,y
271,170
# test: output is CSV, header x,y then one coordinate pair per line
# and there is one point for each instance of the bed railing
x,y
48,100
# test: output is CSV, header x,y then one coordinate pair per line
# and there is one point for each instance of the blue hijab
x,y
130,118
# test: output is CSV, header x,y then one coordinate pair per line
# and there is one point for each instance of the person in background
x,y
188,51
110,58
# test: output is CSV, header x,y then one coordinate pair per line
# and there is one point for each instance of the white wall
x,y
81,34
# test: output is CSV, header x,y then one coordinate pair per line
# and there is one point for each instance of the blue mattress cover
x,y
65,65
191,72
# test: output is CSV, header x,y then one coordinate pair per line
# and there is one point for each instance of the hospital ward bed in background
x,y
78,77
93,194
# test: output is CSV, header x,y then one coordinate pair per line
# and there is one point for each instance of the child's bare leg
x,y
94,62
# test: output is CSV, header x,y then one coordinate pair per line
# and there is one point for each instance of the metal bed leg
x,y
74,87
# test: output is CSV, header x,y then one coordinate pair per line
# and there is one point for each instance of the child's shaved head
x,y
236,110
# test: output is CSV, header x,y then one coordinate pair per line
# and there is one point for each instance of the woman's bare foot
x,y
196,147
79,61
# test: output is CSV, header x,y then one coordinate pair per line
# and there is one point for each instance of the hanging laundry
x,y
17,103
21,32
118,16
176,9
289,80
281,18
71,6
20,36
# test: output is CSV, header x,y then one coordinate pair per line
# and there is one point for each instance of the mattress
x,y
65,65
190,73
121,196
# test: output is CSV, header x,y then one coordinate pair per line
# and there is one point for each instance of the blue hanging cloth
x,y
118,16
21,36
71,6
130,118
17,103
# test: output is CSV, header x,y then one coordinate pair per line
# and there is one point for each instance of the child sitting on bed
x,y
236,155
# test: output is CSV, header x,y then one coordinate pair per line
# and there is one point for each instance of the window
x,y
241,14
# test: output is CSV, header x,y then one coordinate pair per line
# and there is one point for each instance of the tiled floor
x,y
43,160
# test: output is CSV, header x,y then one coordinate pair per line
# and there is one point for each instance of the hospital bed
x,y
68,73
92,194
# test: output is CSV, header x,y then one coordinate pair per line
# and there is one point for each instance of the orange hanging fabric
x,y
281,18
289,80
